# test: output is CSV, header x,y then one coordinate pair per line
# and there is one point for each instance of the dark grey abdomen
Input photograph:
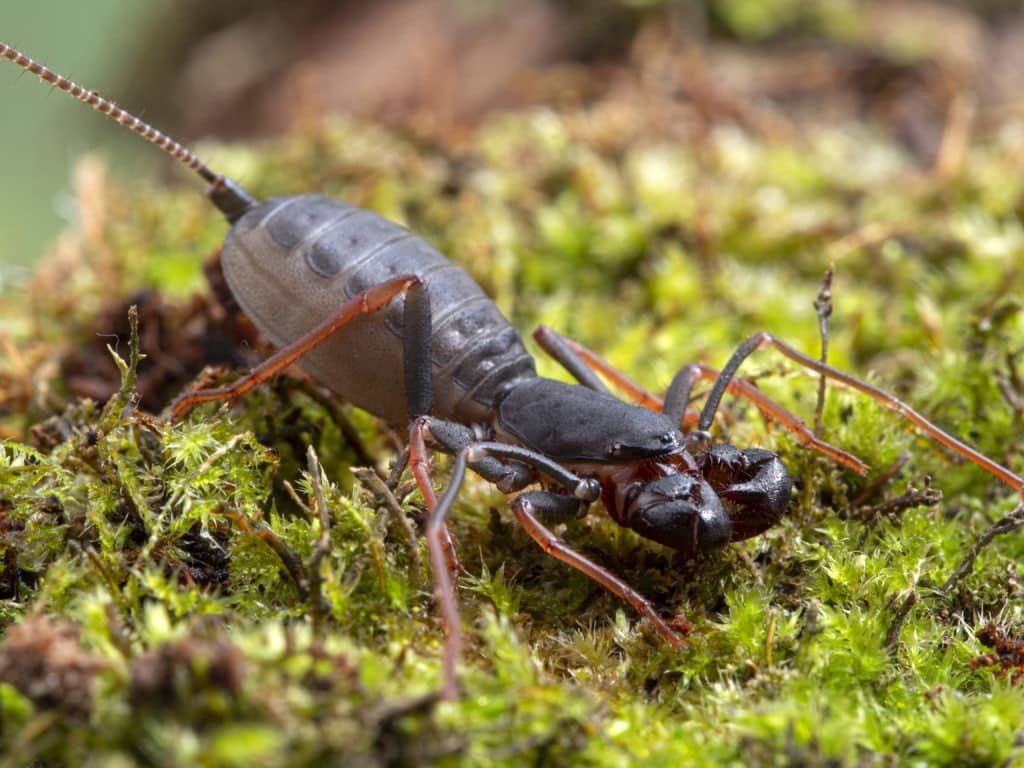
x,y
291,262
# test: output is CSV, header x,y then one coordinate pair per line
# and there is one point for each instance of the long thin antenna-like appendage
x,y
109,108
227,195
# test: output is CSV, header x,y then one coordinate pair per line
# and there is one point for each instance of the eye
x,y
617,449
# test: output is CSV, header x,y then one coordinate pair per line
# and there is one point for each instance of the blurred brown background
x,y
237,69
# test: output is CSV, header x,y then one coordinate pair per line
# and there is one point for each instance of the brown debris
x,y
175,672
892,637
1007,653
43,659
11,533
911,498
1004,525
178,342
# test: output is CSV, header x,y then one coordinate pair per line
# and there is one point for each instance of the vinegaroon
x,y
383,319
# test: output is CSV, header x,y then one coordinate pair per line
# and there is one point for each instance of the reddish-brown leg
x,y
444,586
580,493
451,554
762,340
523,508
736,387
441,547
365,303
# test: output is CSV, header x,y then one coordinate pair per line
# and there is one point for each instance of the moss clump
x,y
181,561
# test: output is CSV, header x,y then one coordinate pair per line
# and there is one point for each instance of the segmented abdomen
x,y
291,262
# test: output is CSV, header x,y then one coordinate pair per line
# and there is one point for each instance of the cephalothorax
x,y
380,317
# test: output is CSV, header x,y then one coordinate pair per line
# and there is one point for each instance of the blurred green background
x,y
245,68
43,134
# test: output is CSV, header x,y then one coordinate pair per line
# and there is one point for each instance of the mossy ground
x,y
177,636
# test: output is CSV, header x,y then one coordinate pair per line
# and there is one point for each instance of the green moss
x,y
168,545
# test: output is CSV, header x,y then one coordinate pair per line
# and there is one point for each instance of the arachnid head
x,y
681,511
717,495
